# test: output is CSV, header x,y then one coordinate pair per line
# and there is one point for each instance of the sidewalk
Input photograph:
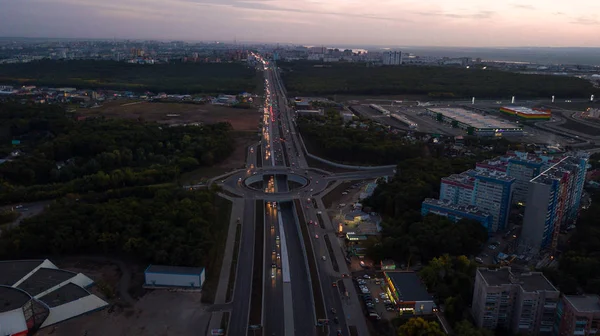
x,y
352,310
237,211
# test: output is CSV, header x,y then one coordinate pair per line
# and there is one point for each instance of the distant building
x,y
578,315
524,303
174,276
309,112
527,113
391,58
409,293
474,123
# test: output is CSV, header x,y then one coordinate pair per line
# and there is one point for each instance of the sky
x,y
391,23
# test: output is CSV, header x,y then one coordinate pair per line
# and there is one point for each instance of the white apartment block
x,y
524,303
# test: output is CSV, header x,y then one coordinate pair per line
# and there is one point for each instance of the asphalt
x,y
238,323
273,287
301,288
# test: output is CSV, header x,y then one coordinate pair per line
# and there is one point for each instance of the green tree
x,y
417,326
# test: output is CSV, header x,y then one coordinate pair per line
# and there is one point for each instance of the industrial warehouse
x,y
526,113
474,123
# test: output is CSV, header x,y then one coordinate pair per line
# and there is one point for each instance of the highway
x,y
273,290
238,324
287,302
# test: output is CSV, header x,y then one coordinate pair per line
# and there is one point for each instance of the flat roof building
x,y
526,112
522,303
578,315
409,293
474,123
456,212
174,276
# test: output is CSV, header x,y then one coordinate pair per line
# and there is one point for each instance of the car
x,y
334,284
376,300
366,276
324,258
310,221
345,193
339,332
319,212
333,310
278,256
316,236
336,320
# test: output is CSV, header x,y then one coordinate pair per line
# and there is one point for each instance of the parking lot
x,y
376,302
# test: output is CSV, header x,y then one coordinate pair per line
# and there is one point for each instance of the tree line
x,y
156,225
304,79
58,155
170,78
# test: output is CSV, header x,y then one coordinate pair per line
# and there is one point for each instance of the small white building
x,y
174,276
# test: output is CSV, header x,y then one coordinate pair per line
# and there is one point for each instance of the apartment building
x,y
553,200
523,167
456,212
521,303
577,315
391,58
490,191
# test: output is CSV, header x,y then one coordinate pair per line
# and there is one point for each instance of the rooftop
x,y
67,293
472,118
567,165
174,270
409,286
13,271
44,279
524,110
471,209
584,303
529,282
12,298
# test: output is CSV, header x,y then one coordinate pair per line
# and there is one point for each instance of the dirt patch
x,y
158,313
177,113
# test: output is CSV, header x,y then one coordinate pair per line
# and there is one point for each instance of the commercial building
x,y
174,276
553,202
474,123
408,293
391,58
456,212
309,112
524,303
527,113
35,294
578,315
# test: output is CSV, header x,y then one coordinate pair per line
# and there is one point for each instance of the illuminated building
x,y
406,290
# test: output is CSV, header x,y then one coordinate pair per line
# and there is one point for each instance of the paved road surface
x,y
273,290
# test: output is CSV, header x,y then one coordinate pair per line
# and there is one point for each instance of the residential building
x,y
524,303
408,293
456,212
391,58
553,201
490,191
577,315
523,167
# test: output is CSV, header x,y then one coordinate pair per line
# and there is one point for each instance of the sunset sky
x,y
476,23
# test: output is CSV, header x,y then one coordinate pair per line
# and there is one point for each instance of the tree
x,y
417,326
465,328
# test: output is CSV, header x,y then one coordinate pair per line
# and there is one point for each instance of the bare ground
x,y
149,312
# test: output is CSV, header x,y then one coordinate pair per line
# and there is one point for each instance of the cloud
x,y
521,6
477,15
586,20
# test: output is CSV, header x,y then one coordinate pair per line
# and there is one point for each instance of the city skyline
x,y
384,22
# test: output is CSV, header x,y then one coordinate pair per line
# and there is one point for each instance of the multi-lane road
x,y
287,302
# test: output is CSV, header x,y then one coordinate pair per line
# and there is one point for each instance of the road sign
x,y
217,332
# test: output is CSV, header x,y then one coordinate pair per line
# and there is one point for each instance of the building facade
x,y
391,58
406,290
553,202
174,276
524,303
577,315
456,212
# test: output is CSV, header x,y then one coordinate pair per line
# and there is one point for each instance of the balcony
x,y
550,305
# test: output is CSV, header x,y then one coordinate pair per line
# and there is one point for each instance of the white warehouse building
x,y
174,276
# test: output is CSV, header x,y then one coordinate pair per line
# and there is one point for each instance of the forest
x,y
328,137
184,78
154,225
58,155
304,79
